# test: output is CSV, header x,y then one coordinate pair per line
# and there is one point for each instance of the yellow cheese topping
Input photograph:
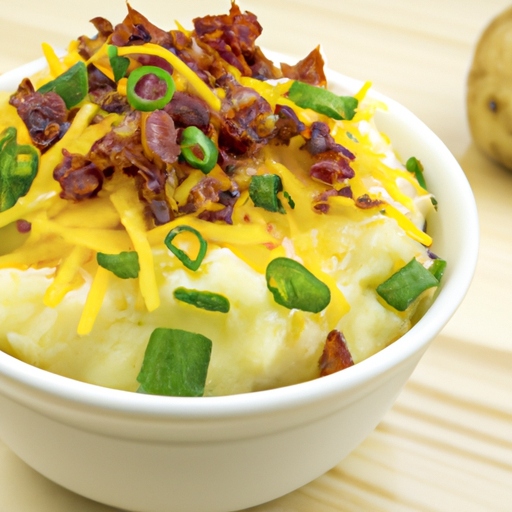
x,y
68,236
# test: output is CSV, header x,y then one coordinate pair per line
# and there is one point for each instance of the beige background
x,y
447,443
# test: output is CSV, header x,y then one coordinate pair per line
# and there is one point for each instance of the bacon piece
x,y
160,135
223,215
188,110
109,151
43,114
322,198
136,29
23,226
115,103
309,70
287,124
87,47
232,35
79,177
153,60
103,92
263,68
160,211
228,199
336,355
151,87
365,202
336,169
321,141
207,190
247,122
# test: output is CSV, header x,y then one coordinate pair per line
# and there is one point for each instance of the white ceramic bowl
x,y
154,454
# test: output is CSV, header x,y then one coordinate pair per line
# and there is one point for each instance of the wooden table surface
x,y
446,445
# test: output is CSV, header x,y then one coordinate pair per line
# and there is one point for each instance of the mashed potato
x,y
343,206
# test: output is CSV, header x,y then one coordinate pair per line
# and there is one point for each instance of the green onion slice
x,y
175,363
414,166
403,287
118,64
202,299
295,287
437,268
288,197
263,191
195,142
18,168
323,101
124,265
182,255
72,86
148,104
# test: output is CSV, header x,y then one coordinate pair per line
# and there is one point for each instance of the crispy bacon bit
x,y
160,135
263,68
115,103
223,215
365,202
322,198
43,114
151,87
153,60
160,211
248,121
228,199
207,190
188,110
136,29
103,92
287,124
154,178
336,355
321,141
23,226
78,177
331,171
109,151
87,47
309,70
232,35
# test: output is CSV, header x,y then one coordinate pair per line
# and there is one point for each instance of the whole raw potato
x,y
489,95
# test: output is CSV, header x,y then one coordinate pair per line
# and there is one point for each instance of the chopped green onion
x,y
288,197
323,101
72,86
18,168
263,191
175,363
118,64
437,268
147,104
295,287
193,139
204,300
124,265
414,166
181,255
403,287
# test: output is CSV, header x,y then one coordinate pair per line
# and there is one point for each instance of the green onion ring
x,y
193,136
181,255
143,104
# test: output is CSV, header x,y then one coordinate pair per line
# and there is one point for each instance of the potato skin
x,y
489,91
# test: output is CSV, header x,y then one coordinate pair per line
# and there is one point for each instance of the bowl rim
x,y
413,342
